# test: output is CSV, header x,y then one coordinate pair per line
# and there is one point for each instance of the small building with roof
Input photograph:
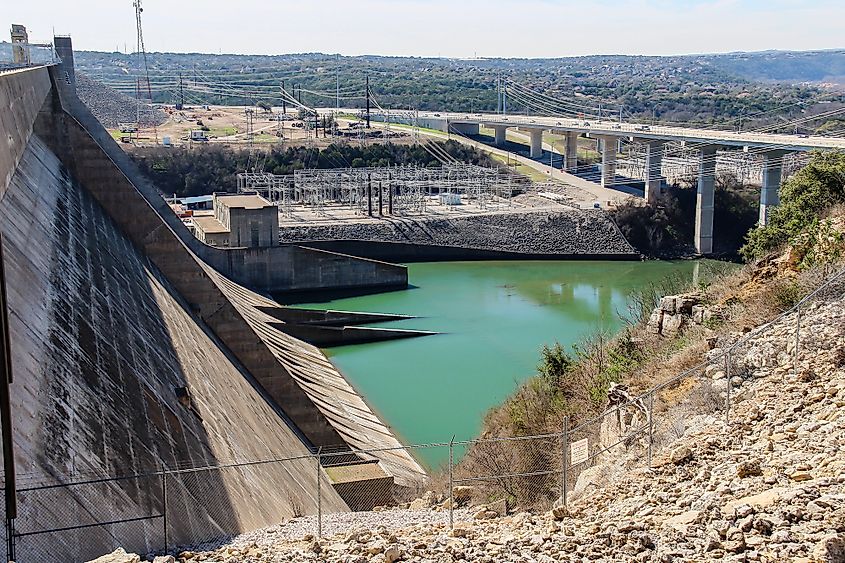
x,y
239,220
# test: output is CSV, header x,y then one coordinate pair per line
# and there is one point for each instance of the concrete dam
x,y
137,350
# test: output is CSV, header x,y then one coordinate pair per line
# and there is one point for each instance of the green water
x,y
494,316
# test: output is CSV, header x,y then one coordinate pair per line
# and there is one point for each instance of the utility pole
x,y
499,93
368,100
337,84
284,100
181,103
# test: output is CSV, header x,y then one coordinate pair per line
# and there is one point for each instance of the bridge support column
x,y
571,151
610,146
500,133
705,199
653,174
772,175
536,143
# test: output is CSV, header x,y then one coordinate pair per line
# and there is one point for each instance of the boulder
x,y
682,521
559,512
595,477
762,500
667,304
655,321
119,555
680,455
500,507
672,324
392,554
462,494
749,468
830,549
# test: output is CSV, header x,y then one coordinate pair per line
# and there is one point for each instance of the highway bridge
x,y
770,146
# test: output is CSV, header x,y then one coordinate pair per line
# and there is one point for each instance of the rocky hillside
x,y
769,485
111,107
564,231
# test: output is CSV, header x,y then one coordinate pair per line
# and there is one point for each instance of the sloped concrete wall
x,y
100,342
22,93
112,312
154,236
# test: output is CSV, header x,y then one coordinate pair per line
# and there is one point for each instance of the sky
x,y
432,28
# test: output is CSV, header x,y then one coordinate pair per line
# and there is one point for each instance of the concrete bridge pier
x,y
536,143
571,151
464,128
610,146
705,200
653,166
772,176
500,135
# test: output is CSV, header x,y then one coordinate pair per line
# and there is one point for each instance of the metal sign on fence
x,y
579,451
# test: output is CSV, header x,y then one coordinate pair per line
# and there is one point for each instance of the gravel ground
x,y
338,524
111,107
569,231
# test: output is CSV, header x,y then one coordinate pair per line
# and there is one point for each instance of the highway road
x,y
594,127
655,132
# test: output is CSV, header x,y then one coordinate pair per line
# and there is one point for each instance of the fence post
x,y
565,484
319,494
10,539
797,341
650,425
164,507
451,489
728,388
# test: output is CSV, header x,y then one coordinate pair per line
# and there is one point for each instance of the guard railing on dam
x,y
468,477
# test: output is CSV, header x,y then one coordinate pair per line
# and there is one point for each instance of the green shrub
x,y
786,295
803,199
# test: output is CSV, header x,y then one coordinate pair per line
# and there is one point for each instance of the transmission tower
x,y
250,132
142,64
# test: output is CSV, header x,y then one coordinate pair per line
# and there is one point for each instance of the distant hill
x,y
707,88
786,66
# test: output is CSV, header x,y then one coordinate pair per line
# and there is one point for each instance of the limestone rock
x,y
750,468
683,520
392,554
462,494
672,324
680,455
119,555
830,549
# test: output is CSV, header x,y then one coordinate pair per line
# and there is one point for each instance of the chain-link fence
x,y
167,511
